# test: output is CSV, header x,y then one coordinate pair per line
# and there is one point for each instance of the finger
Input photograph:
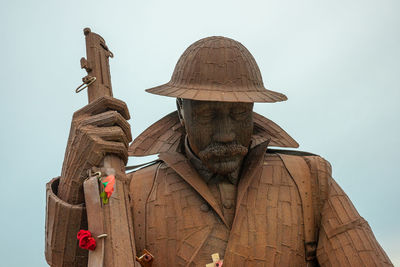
x,y
100,148
113,133
104,104
108,119
109,147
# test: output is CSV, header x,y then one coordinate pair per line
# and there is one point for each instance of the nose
x,y
223,130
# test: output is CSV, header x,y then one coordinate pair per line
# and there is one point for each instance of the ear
x,y
179,106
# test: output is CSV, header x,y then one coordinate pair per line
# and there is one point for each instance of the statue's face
x,y
219,133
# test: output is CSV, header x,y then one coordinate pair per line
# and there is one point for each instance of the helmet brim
x,y
207,94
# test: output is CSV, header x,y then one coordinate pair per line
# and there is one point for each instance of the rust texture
x,y
166,134
268,226
97,65
146,260
217,189
117,248
217,69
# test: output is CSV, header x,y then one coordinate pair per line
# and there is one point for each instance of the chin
x,y
224,165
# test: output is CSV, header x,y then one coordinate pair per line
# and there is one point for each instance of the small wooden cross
x,y
216,261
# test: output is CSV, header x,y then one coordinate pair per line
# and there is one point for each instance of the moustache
x,y
222,150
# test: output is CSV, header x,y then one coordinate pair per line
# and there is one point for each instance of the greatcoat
x,y
181,222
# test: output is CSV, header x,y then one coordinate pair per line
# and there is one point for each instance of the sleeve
x,y
63,221
345,238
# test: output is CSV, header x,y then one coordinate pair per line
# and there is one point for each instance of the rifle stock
x,y
118,248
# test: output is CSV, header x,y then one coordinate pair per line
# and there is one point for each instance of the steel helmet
x,y
217,69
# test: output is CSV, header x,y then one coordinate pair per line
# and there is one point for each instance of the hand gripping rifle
x,y
111,223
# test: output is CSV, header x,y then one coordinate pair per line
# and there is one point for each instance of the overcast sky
x,y
337,61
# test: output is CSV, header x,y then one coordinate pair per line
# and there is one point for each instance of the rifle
x,y
111,223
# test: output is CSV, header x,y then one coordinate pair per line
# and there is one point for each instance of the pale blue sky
x,y
337,61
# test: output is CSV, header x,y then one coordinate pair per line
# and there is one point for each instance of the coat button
x,y
228,204
204,207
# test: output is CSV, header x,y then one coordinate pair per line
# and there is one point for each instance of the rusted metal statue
x,y
218,195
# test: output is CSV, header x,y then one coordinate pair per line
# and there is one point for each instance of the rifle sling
x,y
95,220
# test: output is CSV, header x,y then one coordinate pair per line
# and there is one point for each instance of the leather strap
x,y
300,173
95,220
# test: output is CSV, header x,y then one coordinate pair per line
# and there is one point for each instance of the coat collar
x,y
181,164
167,135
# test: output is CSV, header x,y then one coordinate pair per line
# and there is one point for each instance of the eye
x,y
239,113
206,114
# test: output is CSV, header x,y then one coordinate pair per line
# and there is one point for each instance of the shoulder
x,y
320,169
315,162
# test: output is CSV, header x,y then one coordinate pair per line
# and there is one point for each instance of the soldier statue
x,y
217,188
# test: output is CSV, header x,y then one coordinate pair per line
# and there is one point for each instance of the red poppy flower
x,y
86,241
108,184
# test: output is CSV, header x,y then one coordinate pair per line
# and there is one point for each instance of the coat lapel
x,y
181,165
252,163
